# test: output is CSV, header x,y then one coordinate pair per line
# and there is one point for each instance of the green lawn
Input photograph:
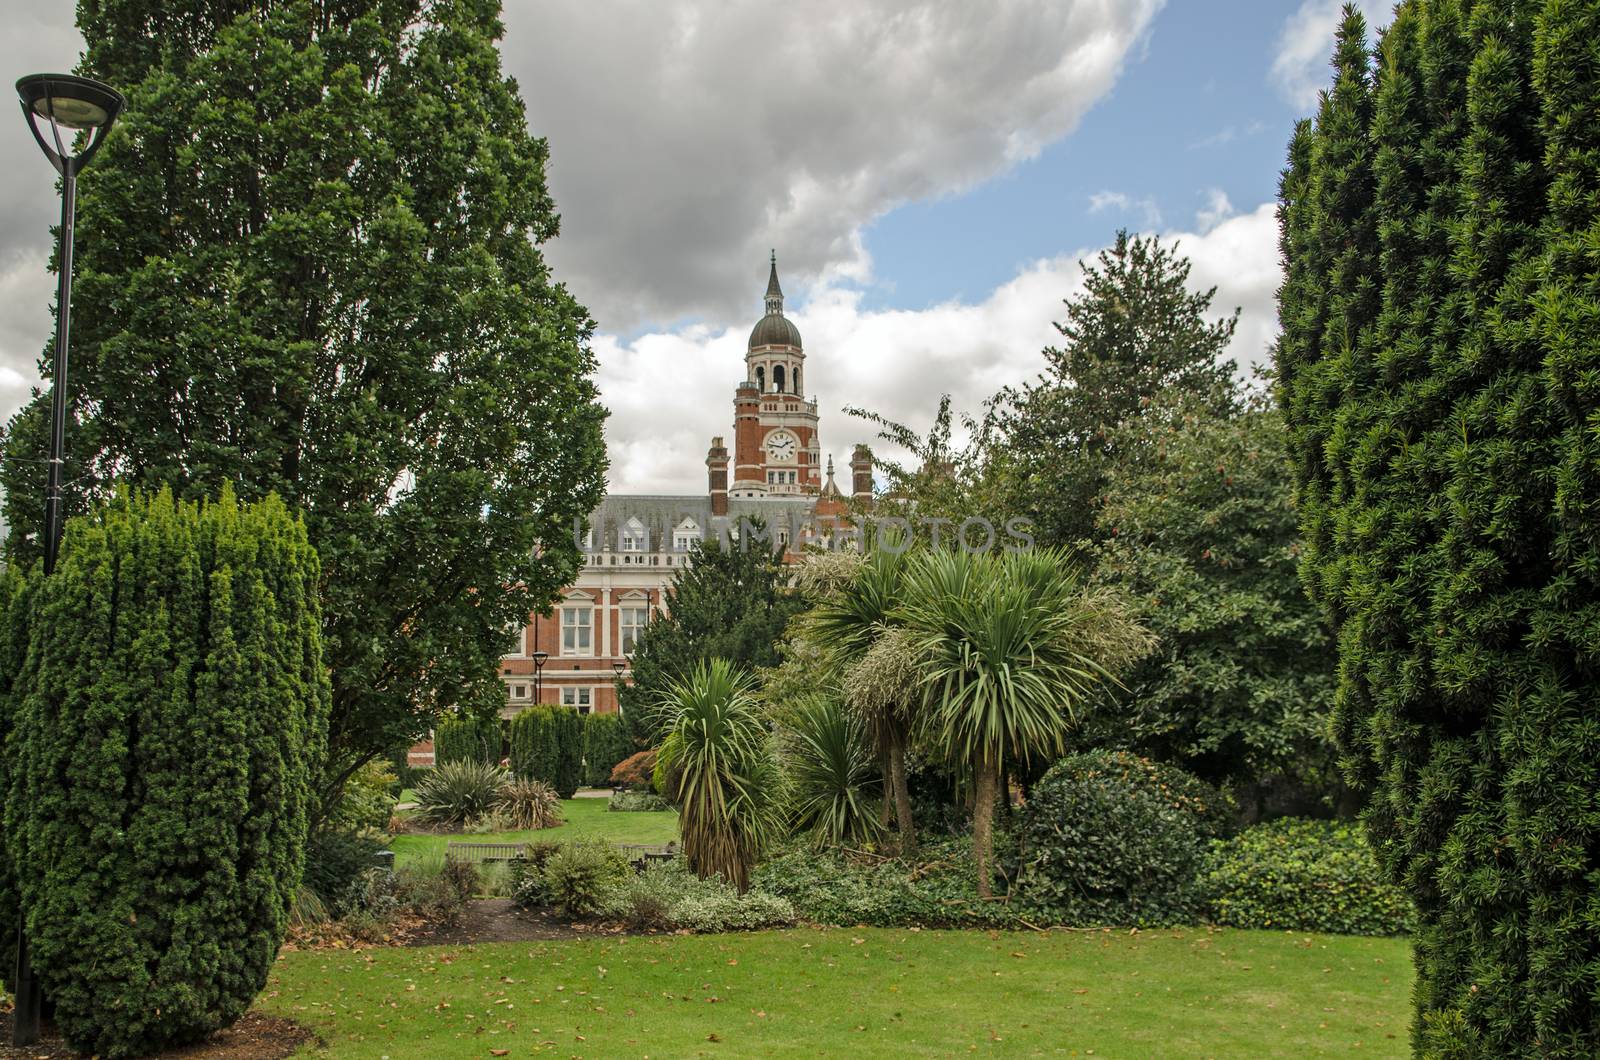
x,y
586,819
862,992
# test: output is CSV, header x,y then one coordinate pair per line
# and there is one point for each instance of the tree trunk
x,y
902,798
886,767
983,823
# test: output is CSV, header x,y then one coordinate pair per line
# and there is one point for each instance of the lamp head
x,y
67,101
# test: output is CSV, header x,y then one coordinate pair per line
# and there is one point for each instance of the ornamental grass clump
x,y
528,804
459,792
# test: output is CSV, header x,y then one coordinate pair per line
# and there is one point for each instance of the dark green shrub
x,y
334,864
15,607
1110,838
162,756
437,891
585,879
605,743
1303,875
637,802
460,792
547,745
467,739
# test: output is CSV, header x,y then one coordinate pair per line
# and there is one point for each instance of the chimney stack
x,y
861,475
717,473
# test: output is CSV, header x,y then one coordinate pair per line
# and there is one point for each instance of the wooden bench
x,y
639,854
483,853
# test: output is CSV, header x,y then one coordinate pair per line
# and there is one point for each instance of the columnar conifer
x,y
1438,370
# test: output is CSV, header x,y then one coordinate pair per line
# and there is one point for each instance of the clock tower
x,y
776,453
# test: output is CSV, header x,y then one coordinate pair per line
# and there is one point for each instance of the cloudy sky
x,y
930,173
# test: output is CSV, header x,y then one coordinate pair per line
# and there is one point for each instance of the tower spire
x,y
774,292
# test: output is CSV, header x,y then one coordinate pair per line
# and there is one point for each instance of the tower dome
x,y
774,329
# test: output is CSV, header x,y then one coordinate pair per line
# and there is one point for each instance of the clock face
x,y
782,447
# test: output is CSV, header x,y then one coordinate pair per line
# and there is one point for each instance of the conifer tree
x,y
1134,332
1446,444
172,710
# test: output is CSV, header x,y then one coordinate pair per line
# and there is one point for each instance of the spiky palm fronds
x,y
720,770
1012,646
529,804
835,784
459,792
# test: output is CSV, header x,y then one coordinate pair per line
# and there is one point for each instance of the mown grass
x,y
585,819
861,992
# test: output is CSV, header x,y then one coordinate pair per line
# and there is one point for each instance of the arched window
x,y
797,380
777,378
761,378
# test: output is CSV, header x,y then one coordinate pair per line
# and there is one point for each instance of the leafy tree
x,y
1135,332
717,765
1199,527
729,603
1443,424
1013,645
309,262
160,765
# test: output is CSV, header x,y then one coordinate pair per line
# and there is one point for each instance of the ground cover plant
x,y
861,992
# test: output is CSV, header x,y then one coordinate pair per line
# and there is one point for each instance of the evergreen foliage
x,y
172,713
728,603
1199,528
1438,369
15,610
547,745
605,743
1110,838
309,261
465,738
1135,332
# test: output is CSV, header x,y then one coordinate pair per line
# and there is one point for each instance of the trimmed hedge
x,y
605,743
547,745
1111,838
161,765
1303,875
467,739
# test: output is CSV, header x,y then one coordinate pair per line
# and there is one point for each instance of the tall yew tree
x,y
309,262
1440,371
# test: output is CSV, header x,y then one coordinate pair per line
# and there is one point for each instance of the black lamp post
x,y
619,668
539,659
78,105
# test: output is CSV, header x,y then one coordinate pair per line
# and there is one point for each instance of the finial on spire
x,y
774,292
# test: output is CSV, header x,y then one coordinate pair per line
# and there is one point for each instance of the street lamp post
x,y
619,668
79,105
539,659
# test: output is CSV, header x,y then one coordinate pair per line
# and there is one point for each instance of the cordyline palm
x,y
851,620
1011,646
719,768
832,779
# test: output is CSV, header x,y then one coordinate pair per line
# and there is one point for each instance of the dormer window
x,y
685,535
634,536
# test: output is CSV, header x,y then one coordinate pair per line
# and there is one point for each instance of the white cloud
x,y
1305,46
669,393
711,130
1122,203
1216,210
